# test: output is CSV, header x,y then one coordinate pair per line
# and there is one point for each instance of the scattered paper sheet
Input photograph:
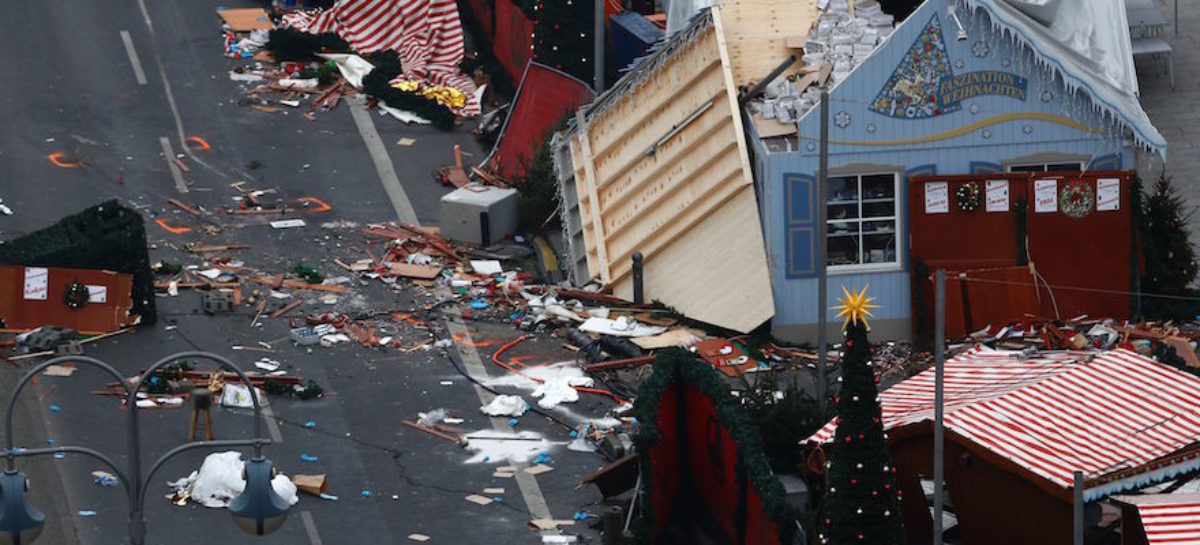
x,y
681,337
493,490
418,537
402,115
478,500
621,327
287,224
548,524
538,469
486,266
63,370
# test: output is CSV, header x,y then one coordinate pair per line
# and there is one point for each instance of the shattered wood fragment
x,y
286,309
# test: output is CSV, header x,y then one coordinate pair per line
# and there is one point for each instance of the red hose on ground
x,y
518,340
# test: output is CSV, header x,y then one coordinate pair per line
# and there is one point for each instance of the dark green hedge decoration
x,y
76,295
483,58
289,44
108,236
377,84
677,364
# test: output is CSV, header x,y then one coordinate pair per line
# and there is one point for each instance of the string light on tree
x,y
861,507
562,30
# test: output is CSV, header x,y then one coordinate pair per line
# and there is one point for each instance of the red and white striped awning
x,y
1168,519
427,34
1054,414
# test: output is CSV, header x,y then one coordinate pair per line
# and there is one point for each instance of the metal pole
x,y
598,48
1176,18
1078,515
939,400
639,291
822,311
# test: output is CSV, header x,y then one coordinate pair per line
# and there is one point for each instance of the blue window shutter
x,y
800,215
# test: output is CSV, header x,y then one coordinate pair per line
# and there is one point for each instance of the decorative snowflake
x,y
987,133
811,146
1047,96
974,109
959,64
981,49
1006,63
1027,129
871,128
841,119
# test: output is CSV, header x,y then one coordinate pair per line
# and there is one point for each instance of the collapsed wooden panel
x,y
757,32
663,169
34,296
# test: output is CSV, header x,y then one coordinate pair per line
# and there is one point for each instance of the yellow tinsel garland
x,y
446,96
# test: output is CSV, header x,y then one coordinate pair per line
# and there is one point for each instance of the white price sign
x,y
1045,194
1108,194
937,198
997,195
97,294
37,283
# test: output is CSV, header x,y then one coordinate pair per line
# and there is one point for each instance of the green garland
x,y
1021,217
676,364
289,44
378,84
76,296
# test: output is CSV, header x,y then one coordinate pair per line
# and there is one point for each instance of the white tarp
x,y
219,480
1087,43
679,12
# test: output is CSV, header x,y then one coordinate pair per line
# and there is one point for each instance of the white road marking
x,y
146,16
175,172
310,528
138,73
272,425
535,502
383,163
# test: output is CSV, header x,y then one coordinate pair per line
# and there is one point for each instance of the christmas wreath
x,y
1076,199
968,197
76,296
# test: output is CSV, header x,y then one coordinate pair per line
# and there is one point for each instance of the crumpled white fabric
x,y
219,480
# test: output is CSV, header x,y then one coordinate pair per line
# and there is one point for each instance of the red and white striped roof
x,y
1168,519
427,34
1055,413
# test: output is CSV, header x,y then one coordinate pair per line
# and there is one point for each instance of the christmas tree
x,y
862,505
562,37
1170,258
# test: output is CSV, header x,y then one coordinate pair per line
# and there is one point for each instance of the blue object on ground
x,y
366,493
87,513
479,304
310,424
307,458
55,408
330,497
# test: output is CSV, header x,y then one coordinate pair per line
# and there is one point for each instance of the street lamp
x,y
258,510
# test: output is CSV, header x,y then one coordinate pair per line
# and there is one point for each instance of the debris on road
x,y
219,480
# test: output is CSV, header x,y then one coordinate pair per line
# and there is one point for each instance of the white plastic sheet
x,y
219,480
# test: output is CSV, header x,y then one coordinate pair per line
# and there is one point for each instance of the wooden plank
x,y
757,31
733,101
594,204
426,272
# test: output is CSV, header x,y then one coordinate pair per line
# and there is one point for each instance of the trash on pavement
x,y
104,478
478,500
219,480
238,395
505,405
621,327
311,484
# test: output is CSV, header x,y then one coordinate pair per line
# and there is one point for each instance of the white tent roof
x,y
1087,43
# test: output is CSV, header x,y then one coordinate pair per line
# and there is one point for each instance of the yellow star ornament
x,y
855,306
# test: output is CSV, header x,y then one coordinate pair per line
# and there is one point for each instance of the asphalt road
x,y
71,88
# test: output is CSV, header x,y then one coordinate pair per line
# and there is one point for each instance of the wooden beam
x,y
594,203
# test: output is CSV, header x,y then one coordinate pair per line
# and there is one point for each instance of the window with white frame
x,y
864,221
1066,166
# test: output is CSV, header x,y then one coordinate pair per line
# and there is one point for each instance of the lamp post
x,y
258,510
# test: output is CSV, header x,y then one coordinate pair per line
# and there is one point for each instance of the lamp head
x,y
20,523
258,510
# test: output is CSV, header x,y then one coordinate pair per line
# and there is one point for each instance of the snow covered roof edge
x,y
1120,103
